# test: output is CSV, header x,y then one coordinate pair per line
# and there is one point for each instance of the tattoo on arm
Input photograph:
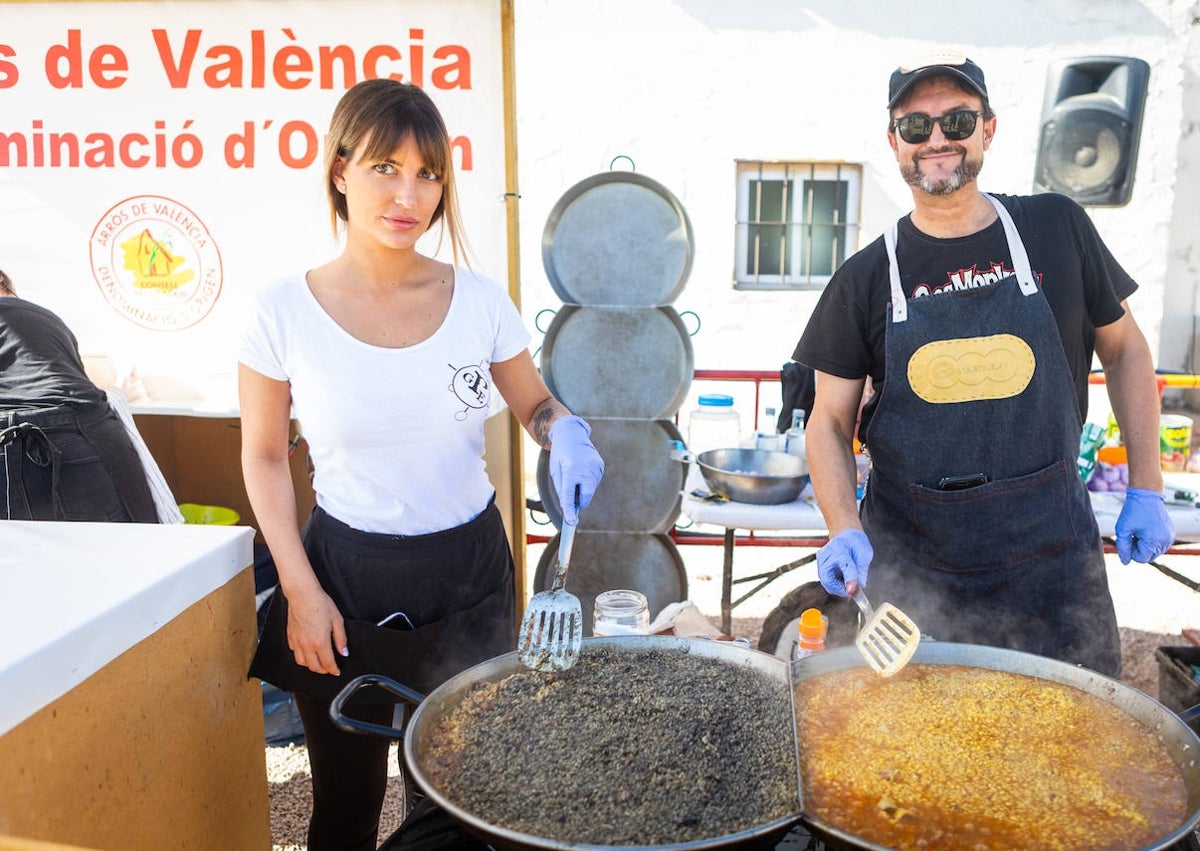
x,y
543,417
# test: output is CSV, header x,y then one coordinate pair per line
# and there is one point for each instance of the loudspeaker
x,y
1091,123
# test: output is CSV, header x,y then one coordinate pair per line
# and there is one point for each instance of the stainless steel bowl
x,y
757,476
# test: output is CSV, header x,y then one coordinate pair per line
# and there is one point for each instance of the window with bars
x,y
796,222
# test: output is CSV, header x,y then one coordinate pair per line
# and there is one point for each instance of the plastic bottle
x,y
1112,431
767,437
621,612
794,439
714,424
1090,440
811,632
862,467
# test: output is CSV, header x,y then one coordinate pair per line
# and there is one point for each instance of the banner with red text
x,y
160,160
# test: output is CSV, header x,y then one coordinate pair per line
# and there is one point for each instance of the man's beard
x,y
968,169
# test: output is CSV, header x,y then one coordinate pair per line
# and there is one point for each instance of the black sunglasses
x,y
917,127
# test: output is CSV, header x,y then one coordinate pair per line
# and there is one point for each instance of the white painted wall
x,y
685,87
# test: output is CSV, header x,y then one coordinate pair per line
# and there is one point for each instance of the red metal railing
x,y
1163,379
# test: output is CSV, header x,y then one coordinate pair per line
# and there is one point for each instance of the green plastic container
x,y
208,515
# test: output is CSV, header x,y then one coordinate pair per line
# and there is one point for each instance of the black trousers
x,y
71,463
349,777
347,801
456,590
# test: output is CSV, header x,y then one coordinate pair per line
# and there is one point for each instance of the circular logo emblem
x,y
472,387
156,263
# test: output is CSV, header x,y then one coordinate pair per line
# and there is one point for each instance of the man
x,y
64,454
976,318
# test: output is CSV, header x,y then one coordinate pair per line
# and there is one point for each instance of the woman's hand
x,y
575,466
315,627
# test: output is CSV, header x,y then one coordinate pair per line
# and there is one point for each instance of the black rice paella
x,y
628,747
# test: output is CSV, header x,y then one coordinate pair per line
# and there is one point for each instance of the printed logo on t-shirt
x,y
968,279
473,387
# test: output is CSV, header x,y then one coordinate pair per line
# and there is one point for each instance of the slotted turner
x,y
552,626
888,637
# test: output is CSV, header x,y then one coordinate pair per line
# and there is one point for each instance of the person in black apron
x,y
975,520
64,454
390,360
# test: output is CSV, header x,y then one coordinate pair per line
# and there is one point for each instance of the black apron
x,y
977,383
455,589
71,462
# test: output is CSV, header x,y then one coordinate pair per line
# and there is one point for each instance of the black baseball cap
x,y
941,63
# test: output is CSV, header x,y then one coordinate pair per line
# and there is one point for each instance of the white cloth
x,y
164,500
685,619
395,434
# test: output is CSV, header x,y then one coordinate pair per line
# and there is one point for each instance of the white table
x,y
126,717
803,517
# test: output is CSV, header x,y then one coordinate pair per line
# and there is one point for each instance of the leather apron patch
x,y
971,368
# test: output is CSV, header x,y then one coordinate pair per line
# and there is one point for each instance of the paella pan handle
x,y
1163,569
352,725
1189,715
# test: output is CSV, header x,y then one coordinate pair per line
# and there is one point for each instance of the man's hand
x,y
844,559
1144,531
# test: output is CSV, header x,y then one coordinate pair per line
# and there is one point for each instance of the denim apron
x,y
71,462
1006,551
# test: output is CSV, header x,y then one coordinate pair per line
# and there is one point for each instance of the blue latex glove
x,y
1144,531
575,466
845,557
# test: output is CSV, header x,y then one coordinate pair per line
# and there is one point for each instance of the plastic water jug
x,y
714,424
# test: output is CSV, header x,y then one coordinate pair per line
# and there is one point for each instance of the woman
x,y
388,358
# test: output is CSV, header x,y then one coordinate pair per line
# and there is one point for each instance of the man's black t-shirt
x,y
40,366
1083,284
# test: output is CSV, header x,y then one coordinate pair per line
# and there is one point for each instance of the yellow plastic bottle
x,y
811,632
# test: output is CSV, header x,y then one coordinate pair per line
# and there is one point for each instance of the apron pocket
x,y
86,487
422,658
998,524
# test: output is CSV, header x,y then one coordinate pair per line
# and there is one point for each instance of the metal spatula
x,y
888,637
552,626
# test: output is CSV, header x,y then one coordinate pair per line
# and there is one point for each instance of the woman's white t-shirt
x,y
395,434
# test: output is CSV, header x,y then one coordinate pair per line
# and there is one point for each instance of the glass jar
x,y
621,612
714,424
